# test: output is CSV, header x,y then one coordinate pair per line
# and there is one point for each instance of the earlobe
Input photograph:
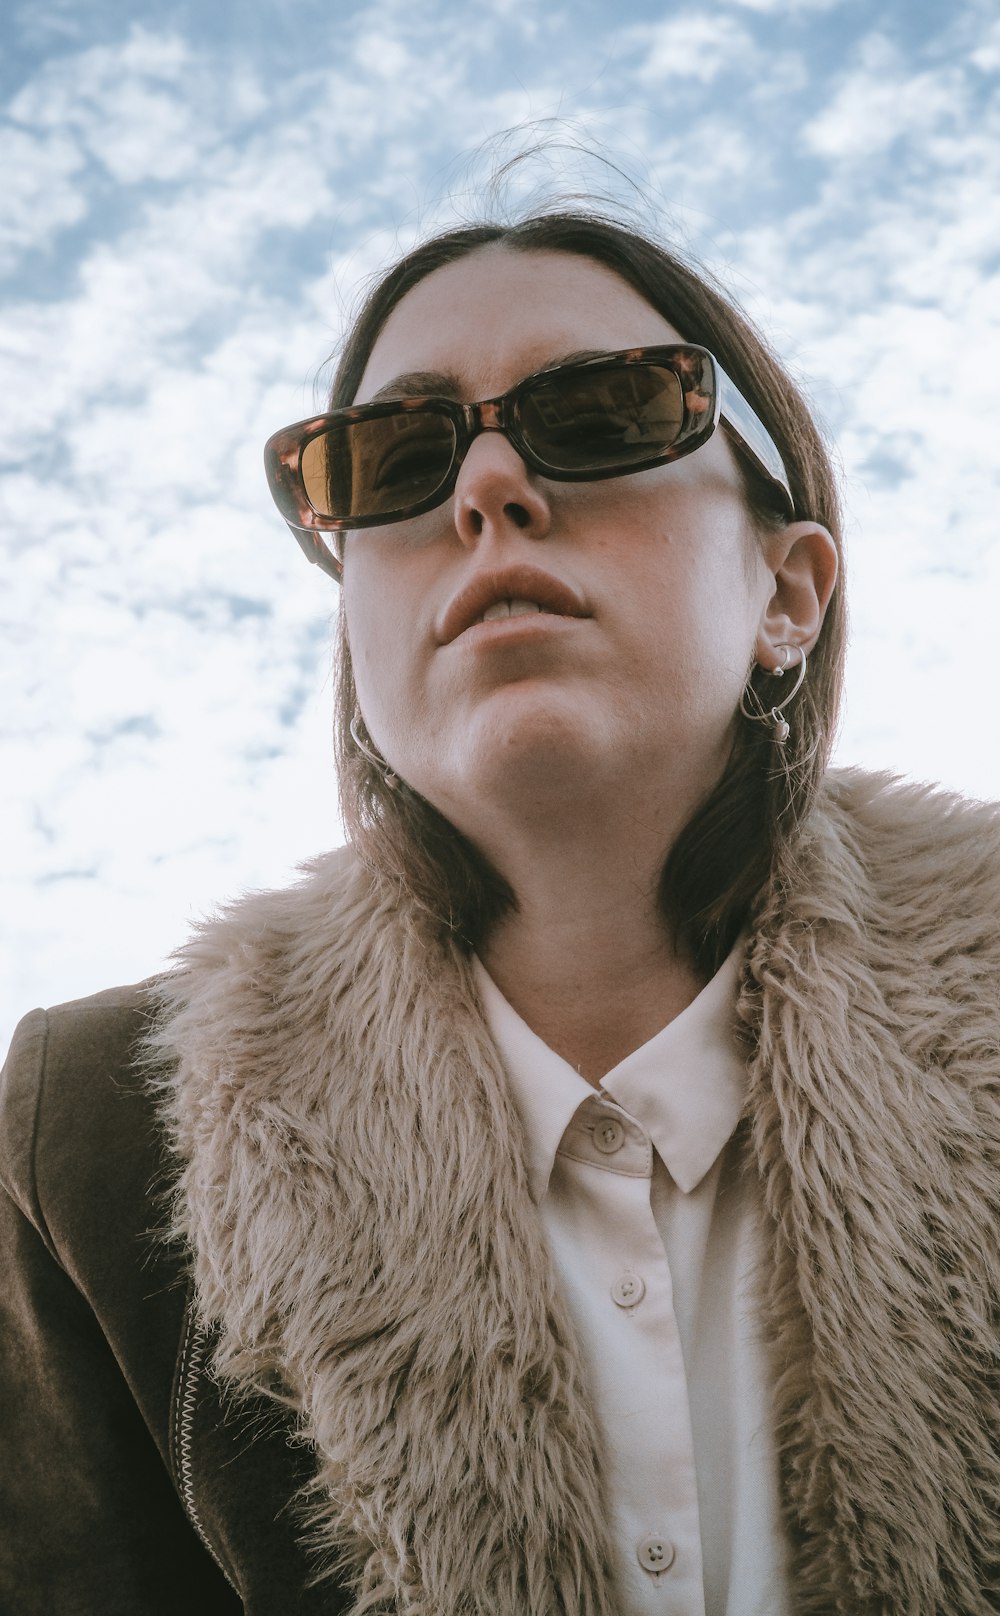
x,y
802,559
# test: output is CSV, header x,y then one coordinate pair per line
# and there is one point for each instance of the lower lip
x,y
508,630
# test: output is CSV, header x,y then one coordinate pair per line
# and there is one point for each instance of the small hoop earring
x,y
772,715
370,753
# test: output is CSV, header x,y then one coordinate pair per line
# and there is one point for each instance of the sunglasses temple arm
x,y
316,551
746,426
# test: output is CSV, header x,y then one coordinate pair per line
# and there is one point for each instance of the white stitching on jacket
x,y
192,1357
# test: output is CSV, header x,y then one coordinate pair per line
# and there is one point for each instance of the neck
x,y
586,957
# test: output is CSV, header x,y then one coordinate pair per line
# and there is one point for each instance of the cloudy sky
x,y
192,194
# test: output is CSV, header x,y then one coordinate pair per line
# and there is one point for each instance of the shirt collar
x,y
546,1089
686,1087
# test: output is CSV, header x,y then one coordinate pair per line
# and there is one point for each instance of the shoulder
x,y
264,973
268,935
882,926
77,1130
81,1115
81,1110
890,816
880,943
913,859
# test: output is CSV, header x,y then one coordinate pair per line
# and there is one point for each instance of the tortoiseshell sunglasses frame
x,y
701,376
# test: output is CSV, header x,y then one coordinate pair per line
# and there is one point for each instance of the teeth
x,y
509,608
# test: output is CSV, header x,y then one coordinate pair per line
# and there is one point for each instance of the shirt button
x,y
628,1291
655,1553
609,1136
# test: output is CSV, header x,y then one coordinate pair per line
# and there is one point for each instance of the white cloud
x,y
123,105
41,193
699,46
987,55
882,102
795,7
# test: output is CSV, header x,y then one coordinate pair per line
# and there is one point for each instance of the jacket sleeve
x,y
89,1322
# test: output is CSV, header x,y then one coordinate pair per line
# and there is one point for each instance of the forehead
x,y
499,313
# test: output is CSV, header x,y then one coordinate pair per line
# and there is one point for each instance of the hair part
x,y
722,859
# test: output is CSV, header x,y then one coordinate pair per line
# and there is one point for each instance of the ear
x,y
802,561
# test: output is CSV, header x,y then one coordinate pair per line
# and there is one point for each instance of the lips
x,y
520,589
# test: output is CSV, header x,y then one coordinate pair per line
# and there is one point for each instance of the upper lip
x,y
523,582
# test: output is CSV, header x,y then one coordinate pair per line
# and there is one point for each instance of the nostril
x,y
517,513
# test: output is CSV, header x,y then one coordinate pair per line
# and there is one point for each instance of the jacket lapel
x,y
871,1108
352,1187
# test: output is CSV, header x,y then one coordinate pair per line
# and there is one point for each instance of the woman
x,y
584,1186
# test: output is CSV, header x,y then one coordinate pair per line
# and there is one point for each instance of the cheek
x,y
367,634
383,654
702,587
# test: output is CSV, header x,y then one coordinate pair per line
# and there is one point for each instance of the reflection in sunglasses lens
x,y
380,466
400,460
584,421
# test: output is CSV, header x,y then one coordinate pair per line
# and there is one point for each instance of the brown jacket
x,y
395,1403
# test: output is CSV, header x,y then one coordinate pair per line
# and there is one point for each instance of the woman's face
x,y
652,586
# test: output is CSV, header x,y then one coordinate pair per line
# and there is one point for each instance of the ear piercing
x,y
760,713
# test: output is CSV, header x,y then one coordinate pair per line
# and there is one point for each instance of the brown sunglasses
x,y
583,421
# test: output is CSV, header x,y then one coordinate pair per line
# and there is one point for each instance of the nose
x,y
495,492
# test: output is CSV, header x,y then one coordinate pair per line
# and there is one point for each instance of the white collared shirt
x,y
651,1228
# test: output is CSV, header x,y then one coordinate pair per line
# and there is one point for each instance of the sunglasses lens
x,y
613,418
380,467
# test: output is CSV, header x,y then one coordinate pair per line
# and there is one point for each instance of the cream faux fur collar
x,y
351,1185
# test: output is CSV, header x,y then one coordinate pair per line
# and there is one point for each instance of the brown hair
x,y
724,855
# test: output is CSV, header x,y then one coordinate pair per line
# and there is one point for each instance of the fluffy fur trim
x,y
354,1194
351,1184
874,1004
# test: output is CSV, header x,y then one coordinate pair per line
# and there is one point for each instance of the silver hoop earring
x,y
772,715
370,753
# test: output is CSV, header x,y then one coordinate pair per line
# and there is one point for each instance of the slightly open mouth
x,y
509,608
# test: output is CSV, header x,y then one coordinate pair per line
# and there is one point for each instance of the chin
x,y
529,747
